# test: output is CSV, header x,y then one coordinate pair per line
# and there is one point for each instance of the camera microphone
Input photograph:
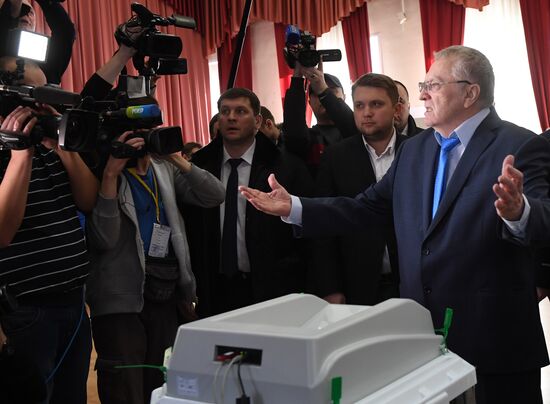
x,y
292,35
137,112
181,21
55,96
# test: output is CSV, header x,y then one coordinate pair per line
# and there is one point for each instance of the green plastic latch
x,y
336,390
445,330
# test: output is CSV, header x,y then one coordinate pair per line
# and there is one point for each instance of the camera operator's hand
x,y
177,160
298,70
22,120
45,109
114,167
316,78
128,33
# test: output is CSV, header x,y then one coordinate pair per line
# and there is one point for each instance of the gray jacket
x,y
117,274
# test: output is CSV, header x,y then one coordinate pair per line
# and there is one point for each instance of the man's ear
x,y
397,109
258,120
472,95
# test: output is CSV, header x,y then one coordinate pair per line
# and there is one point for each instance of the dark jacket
x,y
351,264
412,129
309,143
465,258
277,261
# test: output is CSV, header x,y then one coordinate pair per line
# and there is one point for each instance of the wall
x,y
401,46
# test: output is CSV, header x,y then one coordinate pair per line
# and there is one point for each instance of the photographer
x,y
334,118
43,257
20,14
141,283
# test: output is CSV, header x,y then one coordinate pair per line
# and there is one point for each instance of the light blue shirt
x,y
464,132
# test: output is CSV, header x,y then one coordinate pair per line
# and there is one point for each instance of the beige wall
x,y
401,46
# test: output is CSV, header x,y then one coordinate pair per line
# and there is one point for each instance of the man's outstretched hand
x,y
276,203
509,191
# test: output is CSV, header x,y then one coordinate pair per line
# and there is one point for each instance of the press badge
x,y
159,241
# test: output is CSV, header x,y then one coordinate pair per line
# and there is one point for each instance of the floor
x,y
545,318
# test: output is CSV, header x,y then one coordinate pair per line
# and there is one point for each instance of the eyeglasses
x,y
434,86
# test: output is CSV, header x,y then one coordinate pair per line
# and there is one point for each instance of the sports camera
x,y
300,46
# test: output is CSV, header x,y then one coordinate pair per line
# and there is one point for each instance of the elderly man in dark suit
x,y
459,247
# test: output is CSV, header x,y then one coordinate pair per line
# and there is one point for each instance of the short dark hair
x,y
189,146
379,81
239,92
402,85
211,124
266,114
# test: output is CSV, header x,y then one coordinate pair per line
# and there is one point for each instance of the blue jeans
x,y
42,331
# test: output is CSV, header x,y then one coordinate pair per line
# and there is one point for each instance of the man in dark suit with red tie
x,y
467,198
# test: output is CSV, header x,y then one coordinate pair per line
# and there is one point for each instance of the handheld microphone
x,y
138,112
292,35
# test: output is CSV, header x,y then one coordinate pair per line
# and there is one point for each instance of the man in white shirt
x,y
362,268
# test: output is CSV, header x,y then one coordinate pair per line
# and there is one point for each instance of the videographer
x,y
141,281
43,258
334,118
20,14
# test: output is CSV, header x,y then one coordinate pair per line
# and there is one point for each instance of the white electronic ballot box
x,y
299,349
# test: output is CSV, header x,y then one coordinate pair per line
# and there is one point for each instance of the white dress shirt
x,y
244,177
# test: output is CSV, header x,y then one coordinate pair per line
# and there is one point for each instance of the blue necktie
x,y
447,144
229,236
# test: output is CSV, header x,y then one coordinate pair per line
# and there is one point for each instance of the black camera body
x,y
73,124
300,46
162,49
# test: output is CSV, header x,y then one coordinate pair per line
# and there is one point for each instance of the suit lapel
x,y
366,171
428,177
479,142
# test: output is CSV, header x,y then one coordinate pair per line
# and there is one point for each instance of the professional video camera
x,y
300,46
71,124
88,125
163,50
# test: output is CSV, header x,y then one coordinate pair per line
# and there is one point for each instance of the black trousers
x,y
133,339
231,293
514,388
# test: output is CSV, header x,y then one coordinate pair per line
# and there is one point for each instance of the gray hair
x,y
472,65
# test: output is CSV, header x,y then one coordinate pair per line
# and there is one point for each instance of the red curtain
x,y
217,18
225,59
478,4
355,28
185,99
442,26
536,23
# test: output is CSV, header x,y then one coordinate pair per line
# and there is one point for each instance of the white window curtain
x,y
497,31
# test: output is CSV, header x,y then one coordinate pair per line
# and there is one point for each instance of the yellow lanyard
x,y
154,195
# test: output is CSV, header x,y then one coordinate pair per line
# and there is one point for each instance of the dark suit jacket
x,y
412,128
464,259
350,265
277,259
